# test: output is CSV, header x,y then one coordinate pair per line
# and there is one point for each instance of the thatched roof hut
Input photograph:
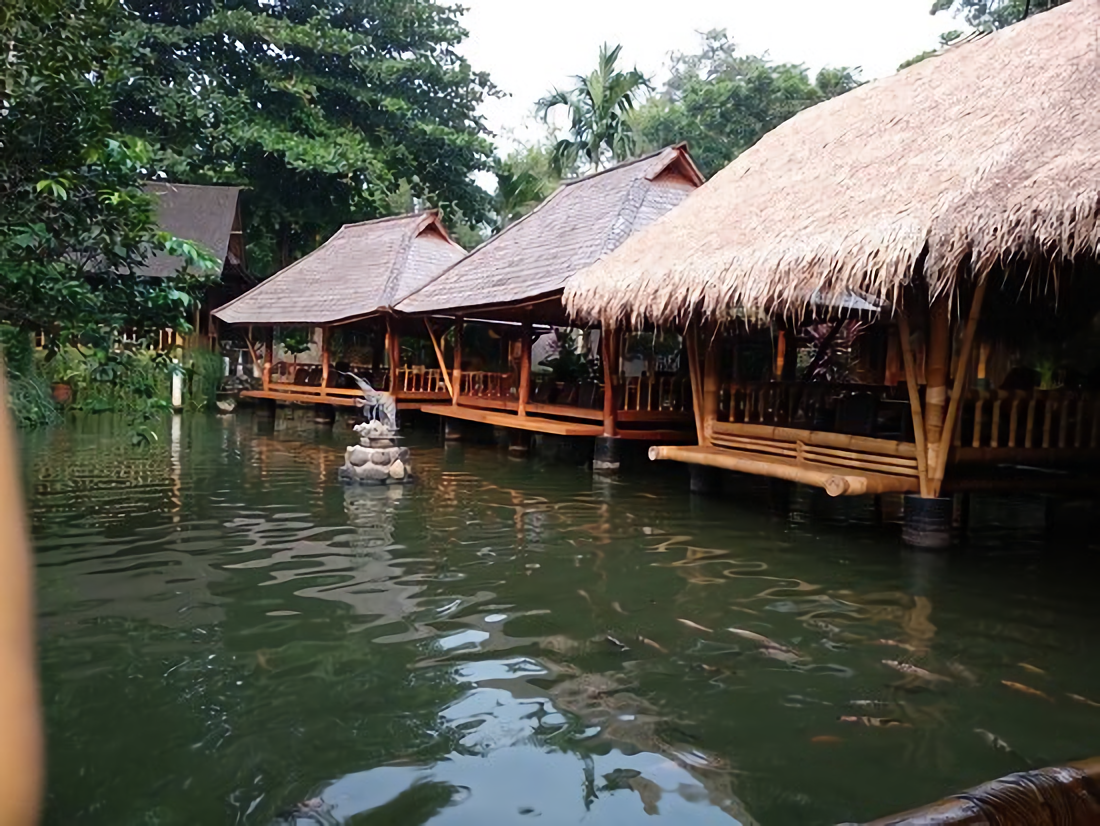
x,y
529,262
207,215
362,270
984,158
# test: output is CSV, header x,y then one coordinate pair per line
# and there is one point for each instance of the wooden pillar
x,y
393,353
937,361
269,352
524,389
324,359
914,402
695,373
710,385
610,360
456,375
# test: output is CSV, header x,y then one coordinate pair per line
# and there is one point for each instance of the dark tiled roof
x,y
582,221
362,269
203,214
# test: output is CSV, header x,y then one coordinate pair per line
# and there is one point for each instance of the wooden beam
x,y
914,401
710,389
961,374
324,357
393,354
840,441
610,376
696,384
524,390
269,349
456,376
536,424
442,362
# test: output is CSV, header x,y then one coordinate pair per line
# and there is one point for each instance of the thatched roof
x,y
361,270
985,155
206,215
582,221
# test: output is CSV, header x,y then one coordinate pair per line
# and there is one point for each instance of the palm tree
x,y
598,106
518,191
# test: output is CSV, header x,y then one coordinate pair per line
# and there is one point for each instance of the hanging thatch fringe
x,y
987,154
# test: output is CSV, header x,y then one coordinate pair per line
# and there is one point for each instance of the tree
x,y
946,39
321,108
721,102
598,106
75,227
524,180
987,15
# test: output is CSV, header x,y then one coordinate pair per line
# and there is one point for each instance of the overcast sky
x,y
528,47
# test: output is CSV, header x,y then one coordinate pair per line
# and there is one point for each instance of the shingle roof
x,y
362,269
203,214
582,221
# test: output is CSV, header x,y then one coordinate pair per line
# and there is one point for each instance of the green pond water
x,y
229,635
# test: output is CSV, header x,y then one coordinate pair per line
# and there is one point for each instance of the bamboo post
x,y
696,384
710,390
324,360
610,376
914,402
961,376
456,377
393,353
524,389
443,371
780,354
269,352
937,360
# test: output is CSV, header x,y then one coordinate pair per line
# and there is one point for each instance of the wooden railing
x,y
656,393
846,408
420,379
1028,424
486,385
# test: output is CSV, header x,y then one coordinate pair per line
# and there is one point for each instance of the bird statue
x,y
378,406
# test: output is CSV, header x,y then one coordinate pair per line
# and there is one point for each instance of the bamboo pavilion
x,y
961,197
342,293
515,281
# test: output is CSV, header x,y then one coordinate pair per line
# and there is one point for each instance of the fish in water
x,y
962,672
1033,669
584,594
1024,689
618,607
1079,699
826,739
653,644
870,704
916,671
694,625
784,655
896,644
822,625
875,722
993,741
754,637
620,645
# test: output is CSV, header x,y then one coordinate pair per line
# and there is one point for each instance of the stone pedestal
x,y
377,459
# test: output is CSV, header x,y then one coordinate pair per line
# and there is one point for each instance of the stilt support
x,y
324,414
519,442
927,522
452,430
605,456
705,480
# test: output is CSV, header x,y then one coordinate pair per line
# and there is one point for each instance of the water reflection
x,y
228,634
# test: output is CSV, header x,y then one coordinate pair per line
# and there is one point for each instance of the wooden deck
x,y
837,481
299,394
543,424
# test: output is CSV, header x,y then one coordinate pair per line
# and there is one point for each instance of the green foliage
x,y
323,109
203,373
295,340
29,394
524,180
946,39
722,102
598,105
987,15
568,364
127,380
75,227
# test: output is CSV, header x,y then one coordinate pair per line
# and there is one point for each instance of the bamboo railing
x,y
1033,425
656,393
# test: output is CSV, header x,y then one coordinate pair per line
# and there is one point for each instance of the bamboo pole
x,y
524,389
443,371
393,354
21,753
269,350
710,390
937,361
835,482
936,480
914,402
696,384
610,374
456,377
324,357
840,441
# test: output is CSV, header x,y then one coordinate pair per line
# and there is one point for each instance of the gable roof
x,y
581,221
985,156
203,214
363,269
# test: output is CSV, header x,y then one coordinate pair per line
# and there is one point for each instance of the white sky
x,y
529,47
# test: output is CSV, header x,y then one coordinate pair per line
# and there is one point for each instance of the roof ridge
x,y
393,277
624,164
